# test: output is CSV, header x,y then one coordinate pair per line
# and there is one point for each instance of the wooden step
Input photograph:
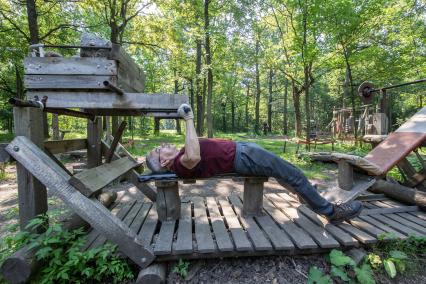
x,y
90,181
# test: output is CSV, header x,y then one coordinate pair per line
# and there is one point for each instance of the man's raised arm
x,y
191,157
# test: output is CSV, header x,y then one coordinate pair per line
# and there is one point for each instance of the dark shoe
x,y
345,211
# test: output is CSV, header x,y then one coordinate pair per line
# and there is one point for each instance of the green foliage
x,y
364,274
181,268
63,256
342,269
316,276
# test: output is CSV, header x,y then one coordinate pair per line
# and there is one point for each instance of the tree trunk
x,y
257,101
285,110
349,86
224,117
246,122
209,70
199,95
307,108
32,22
233,115
297,113
191,94
176,81
271,77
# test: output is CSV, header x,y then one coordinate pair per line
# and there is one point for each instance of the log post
x,y
32,194
94,149
168,200
153,274
345,178
253,196
400,192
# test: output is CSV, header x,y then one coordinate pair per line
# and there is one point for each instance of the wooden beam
x,y
62,146
69,66
67,82
32,194
400,209
114,143
54,178
94,149
345,177
110,101
90,181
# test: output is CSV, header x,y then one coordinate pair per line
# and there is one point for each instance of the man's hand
x,y
185,112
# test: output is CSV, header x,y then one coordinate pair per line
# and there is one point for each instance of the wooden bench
x,y
168,199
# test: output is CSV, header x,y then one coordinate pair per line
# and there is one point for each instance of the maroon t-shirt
x,y
217,157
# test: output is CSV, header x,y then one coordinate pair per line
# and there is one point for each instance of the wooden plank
x,y
407,223
51,82
222,237
340,235
372,197
183,242
127,215
32,193
367,227
257,236
396,225
53,177
133,175
163,244
412,218
140,218
62,146
94,149
140,102
319,234
361,184
358,234
419,214
383,227
56,160
114,143
148,228
90,181
239,236
389,210
297,235
253,196
128,69
203,235
69,66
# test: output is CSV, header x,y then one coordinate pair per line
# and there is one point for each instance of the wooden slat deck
x,y
214,227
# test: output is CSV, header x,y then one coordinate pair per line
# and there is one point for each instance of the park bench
x,y
357,174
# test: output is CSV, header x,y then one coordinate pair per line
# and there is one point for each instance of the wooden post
x,y
94,149
32,194
168,200
178,128
153,274
345,178
253,196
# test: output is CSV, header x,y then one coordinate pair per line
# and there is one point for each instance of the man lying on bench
x,y
203,158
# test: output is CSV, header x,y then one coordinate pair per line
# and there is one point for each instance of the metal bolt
x,y
143,259
15,148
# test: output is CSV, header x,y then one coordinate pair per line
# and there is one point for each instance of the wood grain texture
x,y
90,181
51,82
222,237
54,178
69,66
62,146
183,242
203,236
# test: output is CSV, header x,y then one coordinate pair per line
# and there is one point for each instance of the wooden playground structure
x,y
104,80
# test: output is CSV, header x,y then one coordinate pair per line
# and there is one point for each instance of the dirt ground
x,y
271,269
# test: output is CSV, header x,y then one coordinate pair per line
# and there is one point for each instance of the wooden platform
x,y
213,227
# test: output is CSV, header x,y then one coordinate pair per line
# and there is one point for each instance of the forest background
x,y
242,63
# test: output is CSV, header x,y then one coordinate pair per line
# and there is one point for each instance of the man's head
x,y
161,158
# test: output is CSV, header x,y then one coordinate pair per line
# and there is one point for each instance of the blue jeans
x,y
251,159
